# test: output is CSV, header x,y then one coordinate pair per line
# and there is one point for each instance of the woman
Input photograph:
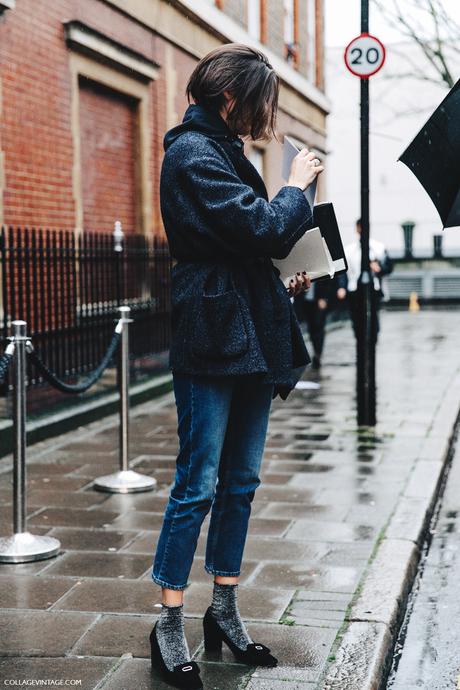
x,y
236,343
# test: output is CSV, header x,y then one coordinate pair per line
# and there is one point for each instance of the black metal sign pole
x,y
366,397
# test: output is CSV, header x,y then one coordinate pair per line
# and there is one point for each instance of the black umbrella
x,y
434,158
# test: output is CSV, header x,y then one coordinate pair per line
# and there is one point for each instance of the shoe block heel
x,y
155,654
254,655
212,636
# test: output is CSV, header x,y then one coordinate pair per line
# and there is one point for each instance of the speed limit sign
x,y
364,55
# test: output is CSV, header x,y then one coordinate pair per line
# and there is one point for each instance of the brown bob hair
x,y
249,78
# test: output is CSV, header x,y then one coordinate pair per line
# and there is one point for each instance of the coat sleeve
x,y
230,208
386,265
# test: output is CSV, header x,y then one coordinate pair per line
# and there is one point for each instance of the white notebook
x,y
309,254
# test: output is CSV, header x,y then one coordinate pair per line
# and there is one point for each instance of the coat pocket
x,y
218,330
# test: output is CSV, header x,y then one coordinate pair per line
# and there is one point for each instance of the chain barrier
x,y
84,385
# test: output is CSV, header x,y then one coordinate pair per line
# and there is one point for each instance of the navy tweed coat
x,y
231,313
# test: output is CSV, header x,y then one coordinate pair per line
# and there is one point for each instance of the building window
x,y
311,40
290,31
254,19
108,143
112,131
256,156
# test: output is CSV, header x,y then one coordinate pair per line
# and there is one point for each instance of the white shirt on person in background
x,y
353,253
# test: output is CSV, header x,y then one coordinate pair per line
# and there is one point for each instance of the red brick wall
x,y
36,136
35,123
108,132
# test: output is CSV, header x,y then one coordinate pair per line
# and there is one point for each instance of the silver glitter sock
x,y
224,608
171,636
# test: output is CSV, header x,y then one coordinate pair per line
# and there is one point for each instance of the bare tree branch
x,y
437,40
413,75
410,62
447,76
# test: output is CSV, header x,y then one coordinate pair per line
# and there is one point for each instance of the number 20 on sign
x,y
364,55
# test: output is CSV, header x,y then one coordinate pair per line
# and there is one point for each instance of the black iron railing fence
x,y
68,287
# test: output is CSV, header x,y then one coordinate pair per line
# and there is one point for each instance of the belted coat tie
x,y
231,313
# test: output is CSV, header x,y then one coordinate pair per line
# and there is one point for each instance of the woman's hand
x,y
305,168
299,283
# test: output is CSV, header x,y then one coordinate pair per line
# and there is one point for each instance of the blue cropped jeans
x,y
222,425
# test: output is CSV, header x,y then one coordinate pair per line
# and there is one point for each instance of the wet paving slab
x,y
303,575
29,592
69,517
100,564
41,633
111,595
327,491
100,540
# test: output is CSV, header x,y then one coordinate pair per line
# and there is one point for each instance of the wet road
x,y
431,651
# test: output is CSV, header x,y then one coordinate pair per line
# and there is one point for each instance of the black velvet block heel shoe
x,y
255,654
184,676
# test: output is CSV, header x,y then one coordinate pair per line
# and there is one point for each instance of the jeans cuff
x,y
167,585
221,573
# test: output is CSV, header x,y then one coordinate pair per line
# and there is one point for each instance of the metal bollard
x,y
125,481
22,546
